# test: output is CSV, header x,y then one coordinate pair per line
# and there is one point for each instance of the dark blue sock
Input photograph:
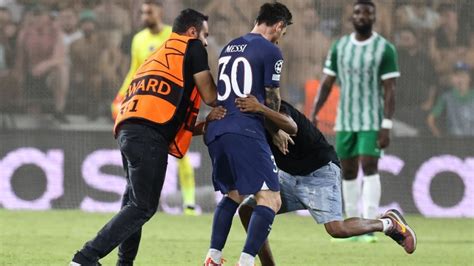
x,y
222,222
259,227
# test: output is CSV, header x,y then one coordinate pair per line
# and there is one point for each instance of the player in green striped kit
x,y
366,67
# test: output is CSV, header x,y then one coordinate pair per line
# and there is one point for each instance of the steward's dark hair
x,y
189,18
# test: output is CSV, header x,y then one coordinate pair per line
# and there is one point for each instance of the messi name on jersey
x,y
236,48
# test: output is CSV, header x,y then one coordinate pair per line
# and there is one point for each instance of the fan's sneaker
x,y
400,231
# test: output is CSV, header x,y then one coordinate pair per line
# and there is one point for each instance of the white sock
x,y
351,194
215,255
246,259
371,192
387,224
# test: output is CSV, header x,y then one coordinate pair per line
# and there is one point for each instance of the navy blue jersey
x,y
247,65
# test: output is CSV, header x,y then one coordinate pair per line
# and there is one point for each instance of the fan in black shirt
x,y
310,180
310,151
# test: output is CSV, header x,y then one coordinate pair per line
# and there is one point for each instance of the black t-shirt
x,y
310,152
195,61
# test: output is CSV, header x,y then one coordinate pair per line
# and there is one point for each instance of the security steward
x,y
156,118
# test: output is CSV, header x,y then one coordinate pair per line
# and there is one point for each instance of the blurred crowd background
x,y
63,61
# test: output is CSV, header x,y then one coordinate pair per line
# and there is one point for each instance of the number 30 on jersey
x,y
230,81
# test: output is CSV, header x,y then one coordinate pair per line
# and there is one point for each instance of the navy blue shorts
x,y
242,163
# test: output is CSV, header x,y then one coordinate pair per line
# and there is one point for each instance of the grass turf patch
x,y
52,237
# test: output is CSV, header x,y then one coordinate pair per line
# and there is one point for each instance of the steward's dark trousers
x,y
145,158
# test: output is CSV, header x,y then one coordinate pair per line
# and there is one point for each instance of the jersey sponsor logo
x,y
278,66
236,48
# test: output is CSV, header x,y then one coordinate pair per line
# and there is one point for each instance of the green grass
x,y
51,238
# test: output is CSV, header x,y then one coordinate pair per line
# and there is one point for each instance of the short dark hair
x,y
272,13
153,2
189,18
365,2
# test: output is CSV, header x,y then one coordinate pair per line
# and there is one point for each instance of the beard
x,y
149,24
363,29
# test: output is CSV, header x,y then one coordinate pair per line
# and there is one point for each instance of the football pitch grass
x,y
51,238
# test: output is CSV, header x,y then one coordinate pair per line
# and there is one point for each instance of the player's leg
x,y
346,144
289,203
371,188
261,179
146,153
221,224
265,254
350,186
259,226
223,178
188,187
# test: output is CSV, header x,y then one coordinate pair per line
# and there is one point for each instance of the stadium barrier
x,y
41,170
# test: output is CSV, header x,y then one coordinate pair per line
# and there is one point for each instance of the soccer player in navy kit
x,y
310,180
241,157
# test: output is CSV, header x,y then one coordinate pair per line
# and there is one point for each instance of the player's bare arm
x,y
272,101
323,94
206,87
389,109
216,113
273,98
282,121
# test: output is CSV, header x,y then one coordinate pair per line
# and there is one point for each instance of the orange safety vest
x,y
157,90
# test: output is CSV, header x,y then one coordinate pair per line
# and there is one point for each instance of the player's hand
x,y
281,140
217,113
384,138
249,104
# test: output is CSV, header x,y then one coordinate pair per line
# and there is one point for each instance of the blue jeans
x,y
319,193
145,158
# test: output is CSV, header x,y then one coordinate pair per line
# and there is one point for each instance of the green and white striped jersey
x,y
360,67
